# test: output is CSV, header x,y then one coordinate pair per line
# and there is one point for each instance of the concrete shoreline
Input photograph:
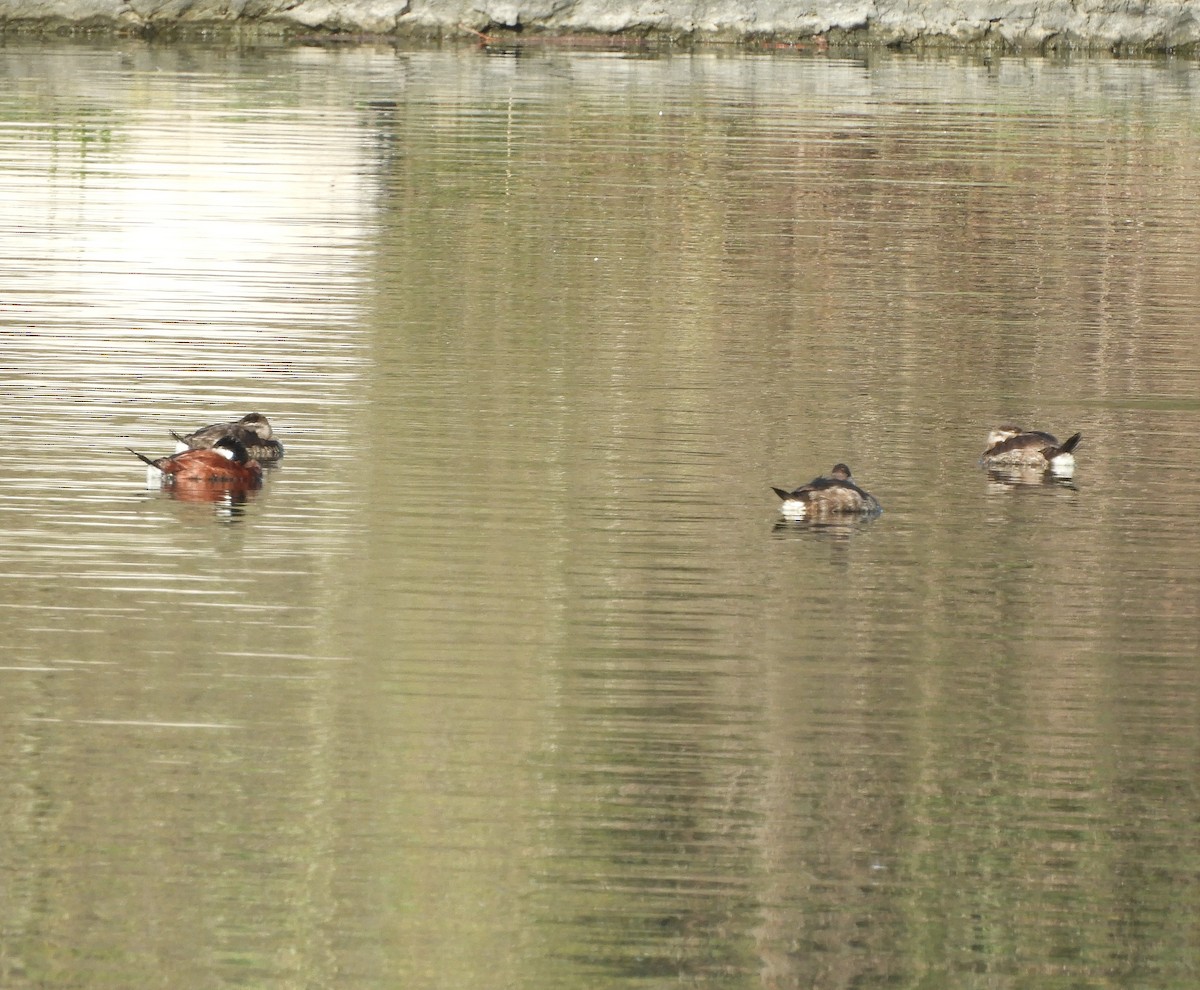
x,y
1153,26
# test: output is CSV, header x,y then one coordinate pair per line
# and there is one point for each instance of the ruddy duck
x,y
226,462
829,494
1011,446
253,431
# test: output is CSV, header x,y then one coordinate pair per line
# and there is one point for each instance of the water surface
x,y
510,674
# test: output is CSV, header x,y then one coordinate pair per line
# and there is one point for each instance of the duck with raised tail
x,y
1012,446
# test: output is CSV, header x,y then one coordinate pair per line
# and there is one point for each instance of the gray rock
x,y
1148,25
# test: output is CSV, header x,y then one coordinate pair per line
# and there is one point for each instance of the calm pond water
x,y
510,675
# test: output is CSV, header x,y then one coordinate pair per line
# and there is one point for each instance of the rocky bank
x,y
1022,25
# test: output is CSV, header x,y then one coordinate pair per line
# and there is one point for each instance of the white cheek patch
x,y
227,454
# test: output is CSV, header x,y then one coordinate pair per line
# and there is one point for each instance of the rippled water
x,y
510,674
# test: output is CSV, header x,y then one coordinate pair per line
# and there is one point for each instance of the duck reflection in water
x,y
1007,479
227,499
831,495
838,528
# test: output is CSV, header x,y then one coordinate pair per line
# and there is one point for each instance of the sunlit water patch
x,y
174,258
